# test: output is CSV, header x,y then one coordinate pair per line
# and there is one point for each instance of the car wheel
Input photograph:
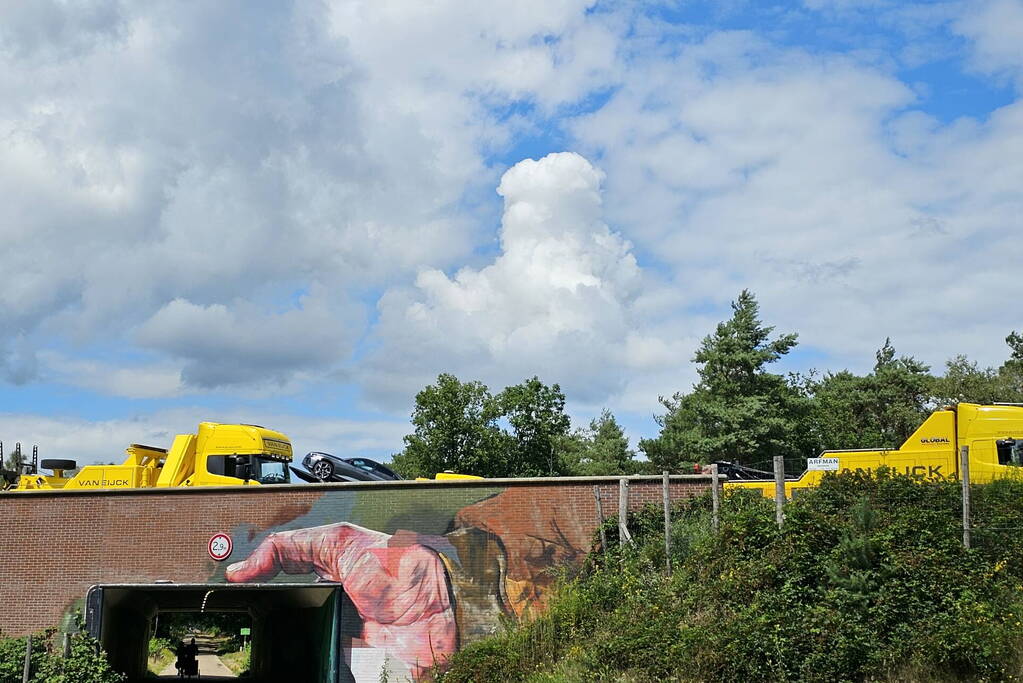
x,y
323,470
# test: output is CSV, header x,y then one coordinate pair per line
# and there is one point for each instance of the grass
x,y
159,662
237,662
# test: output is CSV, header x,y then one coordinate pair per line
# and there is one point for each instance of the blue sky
x,y
300,215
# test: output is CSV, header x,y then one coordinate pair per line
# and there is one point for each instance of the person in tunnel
x,y
187,662
420,596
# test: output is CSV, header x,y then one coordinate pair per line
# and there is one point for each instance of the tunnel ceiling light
x,y
204,599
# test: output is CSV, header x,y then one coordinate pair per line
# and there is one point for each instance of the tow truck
x,y
992,433
216,455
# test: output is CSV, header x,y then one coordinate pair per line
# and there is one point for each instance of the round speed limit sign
x,y
220,547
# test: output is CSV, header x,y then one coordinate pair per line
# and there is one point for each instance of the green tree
x,y
856,565
965,381
13,460
879,410
455,429
1011,372
737,411
602,448
536,413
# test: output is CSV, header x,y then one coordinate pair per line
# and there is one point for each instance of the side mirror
x,y
243,469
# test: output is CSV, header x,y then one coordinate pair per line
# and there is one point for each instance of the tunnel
x,y
296,628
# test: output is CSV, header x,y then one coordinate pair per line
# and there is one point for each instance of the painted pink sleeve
x,y
316,550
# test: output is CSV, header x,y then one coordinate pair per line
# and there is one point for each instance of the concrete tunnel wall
x,y
296,629
457,556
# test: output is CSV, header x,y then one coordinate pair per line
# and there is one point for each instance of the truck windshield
x,y
270,470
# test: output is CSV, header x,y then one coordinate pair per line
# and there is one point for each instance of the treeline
x,y
738,411
523,431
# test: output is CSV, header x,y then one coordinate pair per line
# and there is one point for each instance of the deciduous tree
x,y
455,429
536,413
879,410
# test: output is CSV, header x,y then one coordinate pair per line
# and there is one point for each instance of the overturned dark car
x,y
326,467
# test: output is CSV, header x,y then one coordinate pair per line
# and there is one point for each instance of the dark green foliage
x,y
158,645
224,627
857,566
85,662
1011,372
455,430
879,410
737,411
600,449
965,381
536,413
12,462
868,581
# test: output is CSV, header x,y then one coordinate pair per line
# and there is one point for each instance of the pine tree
x,y
737,411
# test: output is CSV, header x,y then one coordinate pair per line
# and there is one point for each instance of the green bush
x,y
158,645
868,580
85,662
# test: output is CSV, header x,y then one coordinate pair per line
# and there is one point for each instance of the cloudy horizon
x,y
300,213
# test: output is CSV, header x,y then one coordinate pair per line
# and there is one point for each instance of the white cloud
x,y
167,151
242,345
996,29
221,188
806,179
156,380
560,300
17,360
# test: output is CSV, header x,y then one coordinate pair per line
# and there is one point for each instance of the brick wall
x,y
56,545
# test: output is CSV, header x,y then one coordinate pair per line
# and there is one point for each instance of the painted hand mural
x,y
421,596
399,586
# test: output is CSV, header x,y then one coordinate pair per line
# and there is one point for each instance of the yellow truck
x,y
216,455
993,434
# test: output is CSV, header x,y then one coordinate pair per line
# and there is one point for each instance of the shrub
x,y
868,580
85,663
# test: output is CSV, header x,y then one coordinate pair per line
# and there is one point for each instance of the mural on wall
x,y
426,571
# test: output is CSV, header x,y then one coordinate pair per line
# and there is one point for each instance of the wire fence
x,y
963,496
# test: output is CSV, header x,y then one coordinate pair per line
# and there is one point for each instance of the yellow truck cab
x,y
993,433
216,455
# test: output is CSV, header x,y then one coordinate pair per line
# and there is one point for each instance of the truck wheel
x,y
55,464
323,469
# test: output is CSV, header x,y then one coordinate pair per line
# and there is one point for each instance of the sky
x,y
299,213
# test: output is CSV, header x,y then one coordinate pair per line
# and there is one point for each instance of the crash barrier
x,y
424,567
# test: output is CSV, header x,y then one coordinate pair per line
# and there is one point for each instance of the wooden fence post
x,y
27,671
964,474
715,497
623,512
600,519
666,499
779,489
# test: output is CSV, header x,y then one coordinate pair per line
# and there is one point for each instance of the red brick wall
x,y
56,545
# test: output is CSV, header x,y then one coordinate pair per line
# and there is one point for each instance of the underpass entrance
x,y
295,632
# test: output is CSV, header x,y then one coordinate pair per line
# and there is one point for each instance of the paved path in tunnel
x,y
210,667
